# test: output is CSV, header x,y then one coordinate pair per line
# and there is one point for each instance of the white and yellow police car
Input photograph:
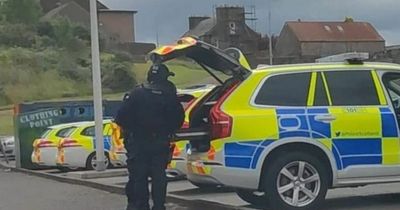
x,y
286,134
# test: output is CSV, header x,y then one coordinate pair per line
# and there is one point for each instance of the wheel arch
x,y
106,152
314,146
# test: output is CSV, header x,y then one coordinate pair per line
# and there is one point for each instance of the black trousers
x,y
144,161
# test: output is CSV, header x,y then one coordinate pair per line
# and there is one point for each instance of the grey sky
x,y
170,17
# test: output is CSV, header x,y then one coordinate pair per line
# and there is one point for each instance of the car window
x,y
89,131
349,88
65,132
320,97
45,133
392,84
285,90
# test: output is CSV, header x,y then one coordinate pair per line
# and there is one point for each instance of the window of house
x,y
348,88
285,90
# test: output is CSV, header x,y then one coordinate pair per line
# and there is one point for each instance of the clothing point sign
x,y
39,119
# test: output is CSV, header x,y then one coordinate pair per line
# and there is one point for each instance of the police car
x,y
188,97
286,134
78,149
45,147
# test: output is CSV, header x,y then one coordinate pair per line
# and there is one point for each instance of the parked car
x,y
45,147
78,150
8,143
188,97
285,134
177,168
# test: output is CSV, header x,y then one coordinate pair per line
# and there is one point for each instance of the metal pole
x,y
270,37
97,97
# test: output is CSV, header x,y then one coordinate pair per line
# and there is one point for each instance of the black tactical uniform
x,y
149,116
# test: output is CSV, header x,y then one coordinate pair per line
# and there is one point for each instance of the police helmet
x,y
158,73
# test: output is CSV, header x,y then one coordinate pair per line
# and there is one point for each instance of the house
x,y
227,29
310,40
119,24
116,25
391,54
48,5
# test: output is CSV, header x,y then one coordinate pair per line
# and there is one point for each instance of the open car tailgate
x,y
202,53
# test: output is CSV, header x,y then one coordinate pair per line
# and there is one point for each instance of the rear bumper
x,y
48,156
74,157
208,172
118,159
203,179
177,167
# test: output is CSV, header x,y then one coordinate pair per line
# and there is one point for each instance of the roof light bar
x,y
351,58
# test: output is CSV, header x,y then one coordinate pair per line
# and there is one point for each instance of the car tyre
x,y
92,158
251,197
296,181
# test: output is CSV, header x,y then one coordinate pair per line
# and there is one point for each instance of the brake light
x,y
68,143
176,152
211,153
45,143
221,123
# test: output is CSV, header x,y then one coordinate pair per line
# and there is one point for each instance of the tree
x,y
21,11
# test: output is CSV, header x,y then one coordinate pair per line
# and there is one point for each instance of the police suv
x,y
285,134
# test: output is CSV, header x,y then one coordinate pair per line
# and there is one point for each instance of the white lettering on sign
x,y
41,123
40,119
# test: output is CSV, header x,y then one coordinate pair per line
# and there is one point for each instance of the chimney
x,y
195,20
230,14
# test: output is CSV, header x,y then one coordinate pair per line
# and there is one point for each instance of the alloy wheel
x,y
298,183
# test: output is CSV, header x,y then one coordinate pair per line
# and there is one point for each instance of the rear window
x,y
285,90
89,131
352,88
65,132
45,133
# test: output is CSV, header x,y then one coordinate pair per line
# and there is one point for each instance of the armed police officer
x,y
149,116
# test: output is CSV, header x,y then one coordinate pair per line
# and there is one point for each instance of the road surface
x,y
19,192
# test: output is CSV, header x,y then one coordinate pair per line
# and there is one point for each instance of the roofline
x,y
100,1
365,40
116,10
295,21
334,65
380,39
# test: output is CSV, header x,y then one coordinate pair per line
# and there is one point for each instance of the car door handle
x,y
325,118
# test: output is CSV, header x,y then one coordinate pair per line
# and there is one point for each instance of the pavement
x,y
181,194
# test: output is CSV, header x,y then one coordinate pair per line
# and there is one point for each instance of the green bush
x,y
17,35
21,11
117,77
